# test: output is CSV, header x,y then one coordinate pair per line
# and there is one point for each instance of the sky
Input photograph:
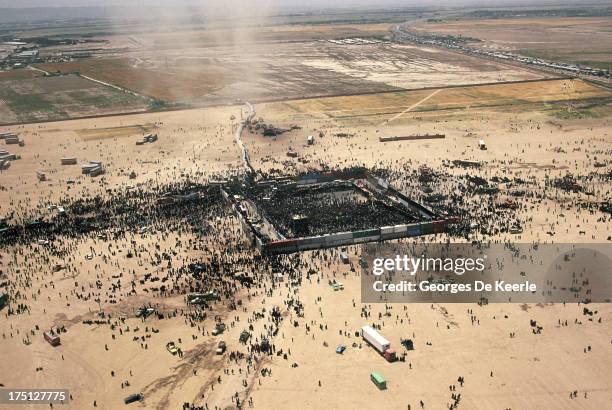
x,y
286,3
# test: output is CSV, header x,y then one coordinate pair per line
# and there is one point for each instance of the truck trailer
x,y
378,342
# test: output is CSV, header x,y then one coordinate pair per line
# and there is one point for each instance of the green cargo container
x,y
427,228
378,380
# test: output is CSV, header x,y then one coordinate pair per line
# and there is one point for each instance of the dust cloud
x,y
194,37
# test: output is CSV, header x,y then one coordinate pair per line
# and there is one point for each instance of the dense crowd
x,y
201,249
329,209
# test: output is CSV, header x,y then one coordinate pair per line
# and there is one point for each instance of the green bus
x,y
378,380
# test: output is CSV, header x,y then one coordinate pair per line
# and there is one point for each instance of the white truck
x,y
482,145
378,342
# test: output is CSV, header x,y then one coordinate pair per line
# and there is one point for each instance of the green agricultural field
x,y
61,97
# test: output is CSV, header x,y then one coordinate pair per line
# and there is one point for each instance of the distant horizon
x,y
33,11
298,4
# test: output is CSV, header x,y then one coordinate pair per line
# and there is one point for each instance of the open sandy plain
x,y
528,134
291,70
196,142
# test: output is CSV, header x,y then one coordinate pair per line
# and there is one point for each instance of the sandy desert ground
x,y
346,94
526,371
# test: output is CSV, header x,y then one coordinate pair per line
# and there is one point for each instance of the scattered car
x,y
407,343
221,347
220,328
336,286
244,336
171,347
144,312
133,398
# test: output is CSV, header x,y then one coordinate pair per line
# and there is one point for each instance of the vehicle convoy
x,y
378,342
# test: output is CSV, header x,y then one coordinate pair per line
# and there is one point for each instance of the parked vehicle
x,y
381,344
171,347
244,336
221,347
201,298
378,380
340,349
408,344
133,398
220,328
144,312
363,262
344,258
52,338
